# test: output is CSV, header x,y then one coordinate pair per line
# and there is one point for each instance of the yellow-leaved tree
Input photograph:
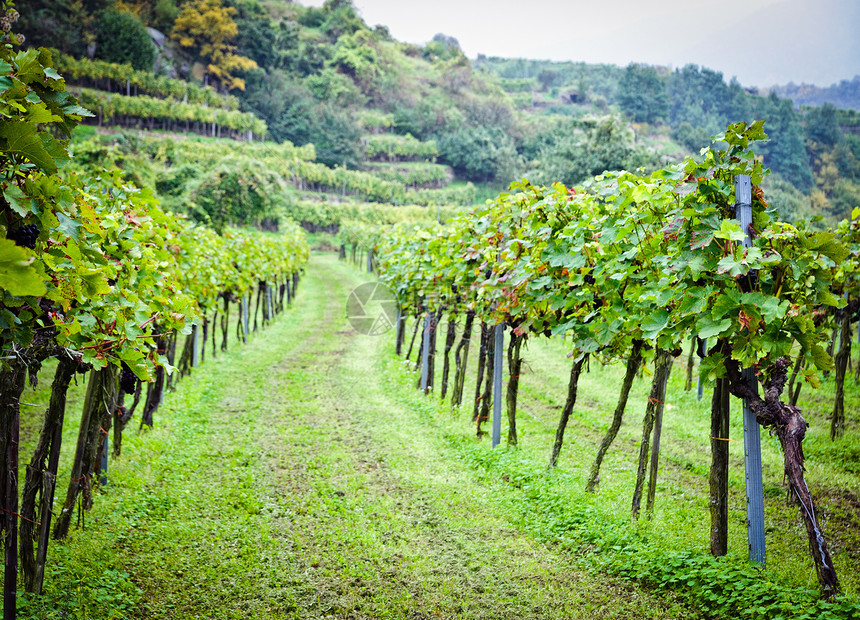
x,y
206,27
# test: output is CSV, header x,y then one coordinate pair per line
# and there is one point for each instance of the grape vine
x,y
655,259
95,273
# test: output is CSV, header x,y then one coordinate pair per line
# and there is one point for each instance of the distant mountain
x,y
845,95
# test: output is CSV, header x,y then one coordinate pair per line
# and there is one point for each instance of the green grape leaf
x,y
731,230
69,226
21,138
17,200
706,327
821,358
17,274
29,68
655,323
712,367
165,362
701,239
829,246
95,281
695,300
40,113
539,283
54,147
729,265
68,105
696,265
827,298
767,305
812,377
726,302
756,131
567,260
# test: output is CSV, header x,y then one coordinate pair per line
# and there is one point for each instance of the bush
x,y
692,138
241,191
642,94
479,153
590,148
122,38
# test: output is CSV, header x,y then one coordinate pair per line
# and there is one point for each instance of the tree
x,y
355,56
442,47
585,152
206,28
292,113
240,191
693,138
791,204
701,98
163,14
123,39
548,78
336,136
848,156
844,198
642,95
158,14
340,19
734,103
269,44
68,25
822,126
786,151
479,153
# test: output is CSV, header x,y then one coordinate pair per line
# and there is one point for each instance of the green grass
x,y
303,476
682,488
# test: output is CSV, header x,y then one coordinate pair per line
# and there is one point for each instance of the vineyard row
x,y
124,79
145,112
631,267
99,277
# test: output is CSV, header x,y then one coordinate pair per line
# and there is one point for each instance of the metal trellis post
x,y
498,358
195,348
425,353
752,430
245,303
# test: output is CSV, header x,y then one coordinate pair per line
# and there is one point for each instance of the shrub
x,y
122,38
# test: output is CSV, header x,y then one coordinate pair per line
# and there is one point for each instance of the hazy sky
x,y
761,42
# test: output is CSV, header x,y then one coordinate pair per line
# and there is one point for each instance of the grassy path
x,y
298,477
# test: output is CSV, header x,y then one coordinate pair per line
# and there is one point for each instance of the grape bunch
x,y
25,236
127,380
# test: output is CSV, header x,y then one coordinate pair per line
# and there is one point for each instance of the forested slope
x,y
323,76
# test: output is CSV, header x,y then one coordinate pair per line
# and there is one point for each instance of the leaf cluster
x,y
111,105
626,256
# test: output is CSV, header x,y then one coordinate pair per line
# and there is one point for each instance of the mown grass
x,y
303,476
271,488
